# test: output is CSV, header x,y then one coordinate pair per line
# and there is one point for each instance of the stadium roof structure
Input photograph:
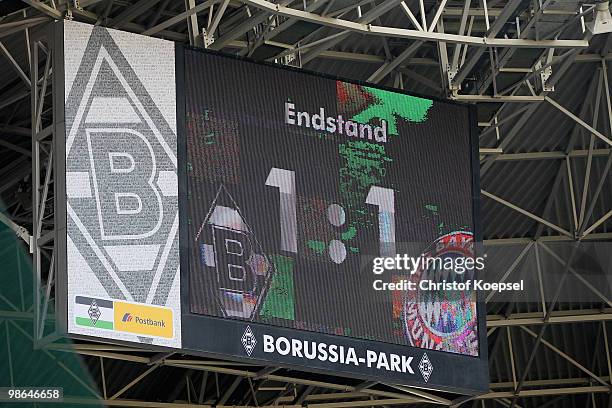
x,y
539,74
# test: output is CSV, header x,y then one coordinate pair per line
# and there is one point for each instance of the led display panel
x,y
121,207
292,183
234,209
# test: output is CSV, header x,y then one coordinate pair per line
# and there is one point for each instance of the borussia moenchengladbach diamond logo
x,y
248,340
121,174
425,367
94,312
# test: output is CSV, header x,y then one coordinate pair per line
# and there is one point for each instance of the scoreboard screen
x,y
238,210
295,181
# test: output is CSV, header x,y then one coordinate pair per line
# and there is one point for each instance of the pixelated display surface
x,y
121,186
294,181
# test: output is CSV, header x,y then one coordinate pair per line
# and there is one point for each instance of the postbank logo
x,y
144,320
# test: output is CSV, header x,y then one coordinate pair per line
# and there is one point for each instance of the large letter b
x,y
232,251
124,169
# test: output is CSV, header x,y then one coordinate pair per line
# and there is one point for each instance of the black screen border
x,y
219,337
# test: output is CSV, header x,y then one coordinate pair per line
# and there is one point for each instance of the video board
x,y
293,182
233,209
121,207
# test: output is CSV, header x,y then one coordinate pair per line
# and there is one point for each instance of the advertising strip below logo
x,y
147,320
136,318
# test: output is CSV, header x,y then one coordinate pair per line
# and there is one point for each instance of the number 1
x,y
285,181
384,198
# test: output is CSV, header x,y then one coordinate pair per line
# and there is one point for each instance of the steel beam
x,y
193,27
20,231
530,319
411,16
550,308
578,120
178,18
210,30
436,17
551,155
388,67
363,22
511,268
274,31
365,28
132,12
568,358
15,148
593,289
527,213
43,8
15,65
134,381
514,131
498,98
545,392
240,29
498,24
